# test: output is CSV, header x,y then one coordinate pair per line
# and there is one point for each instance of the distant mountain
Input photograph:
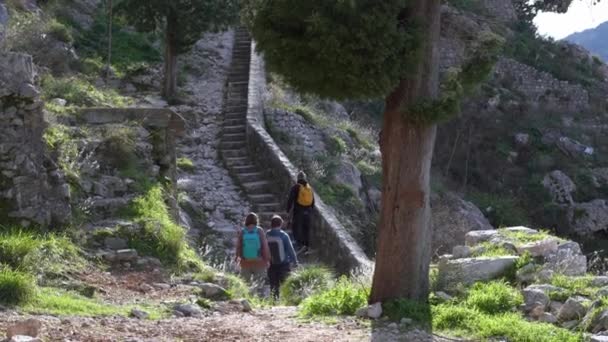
x,y
594,40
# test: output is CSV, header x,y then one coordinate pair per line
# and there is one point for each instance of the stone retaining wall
x,y
335,246
33,190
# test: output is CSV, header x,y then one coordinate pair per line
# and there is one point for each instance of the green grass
x,y
185,164
160,236
39,254
343,298
131,51
488,249
524,238
16,287
305,282
78,92
572,286
493,297
64,303
463,321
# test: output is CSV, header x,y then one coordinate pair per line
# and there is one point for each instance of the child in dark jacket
x,y
282,255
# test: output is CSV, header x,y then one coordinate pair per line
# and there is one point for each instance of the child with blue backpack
x,y
282,255
252,251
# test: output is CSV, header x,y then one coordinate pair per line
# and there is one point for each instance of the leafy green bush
x,y
344,298
464,321
501,210
16,287
60,32
493,297
305,282
79,92
185,164
38,254
160,236
336,145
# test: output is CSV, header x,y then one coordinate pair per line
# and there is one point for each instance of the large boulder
x,y
560,186
533,296
573,148
18,73
539,248
567,260
348,175
588,218
468,271
573,309
453,218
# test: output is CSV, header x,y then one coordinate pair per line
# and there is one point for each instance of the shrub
x,y
38,254
185,164
118,146
501,210
16,287
493,297
79,92
60,32
400,308
336,145
344,298
305,282
160,236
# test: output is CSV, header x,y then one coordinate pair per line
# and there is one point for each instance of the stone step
x,y
238,161
233,145
235,153
244,169
236,101
238,78
235,121
234,137
261,198
250,176
262,186
238,84
234,129
229,108
268,207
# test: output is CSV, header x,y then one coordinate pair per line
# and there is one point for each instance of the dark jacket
x,y
293,197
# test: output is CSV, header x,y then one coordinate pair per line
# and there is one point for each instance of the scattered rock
x,y
590,217
573,148
189,310
570,325
115,243
478,236
30,327
139,314
599,281
539,248
125,255
246,305
146,288
567,260
374,311
59,102
213,291
548,318
406,321
522,139
22,338
526,274
598,338
573,309
534,296
459,252
560,186
161,286
443,296
469,271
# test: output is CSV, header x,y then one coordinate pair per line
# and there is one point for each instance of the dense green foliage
x,y
494,297
16,287
160,236
337,49
305,282
344,298
193,17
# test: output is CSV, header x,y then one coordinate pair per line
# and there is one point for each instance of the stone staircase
x,y
262,193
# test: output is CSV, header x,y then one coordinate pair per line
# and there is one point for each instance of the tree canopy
x,y
336,49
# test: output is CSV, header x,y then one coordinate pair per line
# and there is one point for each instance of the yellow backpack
x,y
305,195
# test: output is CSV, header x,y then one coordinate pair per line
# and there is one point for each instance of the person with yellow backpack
x,y
300,204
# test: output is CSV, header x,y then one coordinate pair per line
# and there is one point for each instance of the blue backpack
x,y
252,244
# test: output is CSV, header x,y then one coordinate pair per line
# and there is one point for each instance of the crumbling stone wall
x,y
32,188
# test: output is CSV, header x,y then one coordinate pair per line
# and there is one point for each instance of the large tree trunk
x,y
170,82
404,232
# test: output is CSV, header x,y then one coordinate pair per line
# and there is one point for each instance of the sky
x,y
580,16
